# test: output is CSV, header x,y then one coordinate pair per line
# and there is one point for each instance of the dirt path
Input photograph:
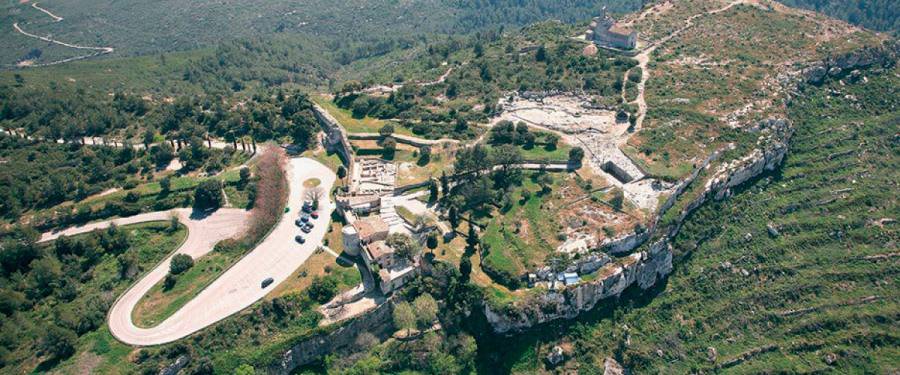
x,y
55,17
97,50
643,58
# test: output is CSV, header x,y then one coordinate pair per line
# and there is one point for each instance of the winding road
x,y
97,50
277,256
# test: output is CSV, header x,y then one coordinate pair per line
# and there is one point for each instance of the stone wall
x,y
335,135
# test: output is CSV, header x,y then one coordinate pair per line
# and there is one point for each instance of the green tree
x,y
165,185
545,181
180,263
208,195
322,289
148,137
404,246
552,140
472,238
541,54
174,224
465,268
389,146
432,240
445,183
162,154
387,130
426,310
244,369
46,274
341,172
169,282
58,342
453,217
433,192
404,317
576,155
244,175
424,155
617,198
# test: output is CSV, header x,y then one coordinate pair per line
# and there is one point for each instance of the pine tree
x,y
454,217
445,184
472,240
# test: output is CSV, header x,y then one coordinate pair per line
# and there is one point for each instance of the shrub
x,y
169,282
180,263
322,289
208,195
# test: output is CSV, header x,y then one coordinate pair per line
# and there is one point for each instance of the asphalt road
x,y
239,287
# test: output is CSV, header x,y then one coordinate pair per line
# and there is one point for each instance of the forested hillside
x,y
881,15
348,30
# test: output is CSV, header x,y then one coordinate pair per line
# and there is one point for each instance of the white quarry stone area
x,y
596,131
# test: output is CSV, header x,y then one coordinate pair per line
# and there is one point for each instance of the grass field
x,y
353,124
520,238
158,304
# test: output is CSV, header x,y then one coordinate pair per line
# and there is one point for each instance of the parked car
x,y
299,222
315,215
305,229
309,224
299,239
268,281
304,218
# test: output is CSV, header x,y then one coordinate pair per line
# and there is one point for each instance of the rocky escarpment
x,y
377,322
837,67
643,268
646,267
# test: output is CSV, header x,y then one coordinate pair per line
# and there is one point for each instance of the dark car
x,y
268,281
304,218
305,229
299,222
299,239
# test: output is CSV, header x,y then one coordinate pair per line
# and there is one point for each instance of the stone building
x,y
606,32
393,271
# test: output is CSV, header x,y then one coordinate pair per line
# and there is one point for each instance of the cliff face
x,y
643,268
377,322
